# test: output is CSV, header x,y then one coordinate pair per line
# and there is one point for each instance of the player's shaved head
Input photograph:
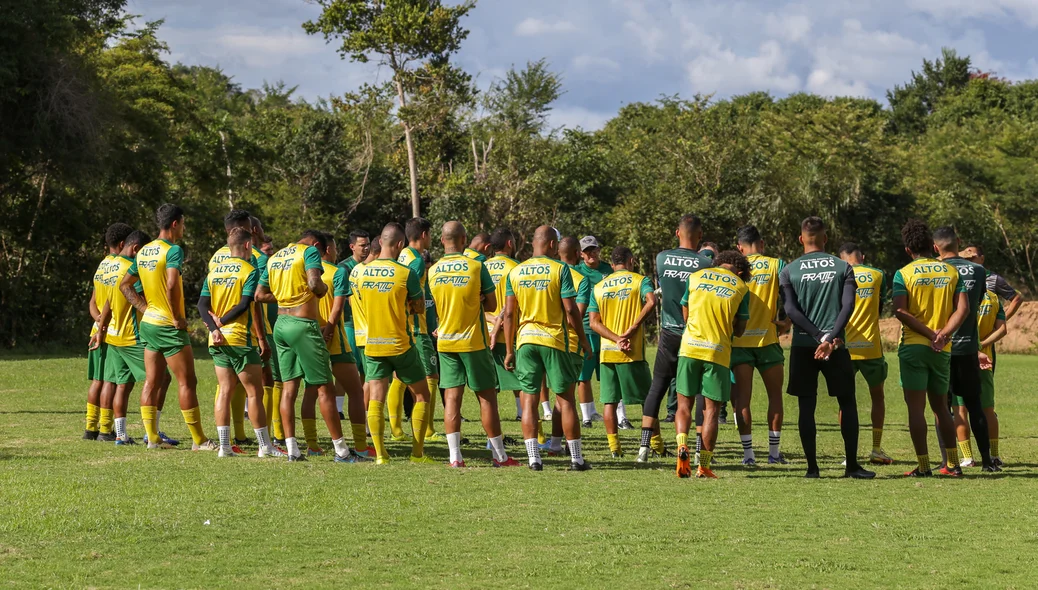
x,y
812,232
237,218
689,231
393,240
453,236
545,241
480,241
946,239
569,250
851,253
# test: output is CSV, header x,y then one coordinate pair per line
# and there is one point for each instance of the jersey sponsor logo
x,y
620,280
147,264
716,276
762,279
984,309
865,292
859,344
966,271
969,283
679,261
817,263
681,275
864,278
379,286
820,277
229,267
719,290
494,265
535,284
382,341
929,268
935,282
150,251
283,265
755,332
454,281
227,282
622,294
696,343
760,265
454,337
534,269
452,266
379,271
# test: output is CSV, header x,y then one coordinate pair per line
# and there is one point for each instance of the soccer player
x,y
569,254
344,364
292,279
965,383
164,326
709,249
540,294
931,303
480,247
267,314
101,392
1013,299
360,246
715,307
503,243
225,306
991,327
819,295
594,269
390,296
462,290
863,340
619,306
758,347
360,321
673,267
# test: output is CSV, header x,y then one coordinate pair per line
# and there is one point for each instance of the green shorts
x,y
125,364
535,363
627,382
362,360
346,358
358,353
165,340
96,362
407,366
235,357
272,362
506,380
474,369
987,390
873,370
591,367
699,377
922,369
423,343
301,350
762,358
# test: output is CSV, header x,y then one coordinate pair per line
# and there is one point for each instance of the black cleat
x,y
991,468
585,466
586,423
916,473
342,416
106,437
812,474
90,434
669,419
296,458
625,424
509,441
536,467
242,442
859,472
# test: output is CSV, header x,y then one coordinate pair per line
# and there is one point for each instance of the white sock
x,y
120,428
262,438
224,432
518,407
454,446
546,408
339,401
621,413
556,444
533,451
588,410
747,445
498,450
158,414
292,446
341,448
575,453
774,436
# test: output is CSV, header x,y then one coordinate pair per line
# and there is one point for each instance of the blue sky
x,y
613,52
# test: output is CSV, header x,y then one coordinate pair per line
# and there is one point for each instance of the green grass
x,y
86,514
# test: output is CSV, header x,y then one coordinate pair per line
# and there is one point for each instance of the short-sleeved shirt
x,y
457,282
863,339
498,267
989,312
973,279
224,253
123,329
337,281
270,309
360,321
817,279
347,313
715,299
475,255
582,285
153,260
764,302
285,274
673,267
618,299
594,275
931,287
384,288
412,259
1001,287
226,285
539,285
102,286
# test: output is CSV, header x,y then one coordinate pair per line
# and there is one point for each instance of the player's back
x,y
153,260
539,285
412,258
498,267
225,285
385,287
930,287
457,282
714,298
618,299
972,279
123,327
863,338
817,279
286,274
673,267
764,297
102,283
360,321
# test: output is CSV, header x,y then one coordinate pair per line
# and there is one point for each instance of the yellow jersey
x,y
360,321
123,327
335,279
989,312
227,284
457,283
224,253
764,302
499,266
715,298
931,287
153,260
475,255
863,341
385,287
539,285
583,287
619,299
412,259
285,274
102,286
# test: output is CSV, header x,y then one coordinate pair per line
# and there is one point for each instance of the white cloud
x,y
723,71
575,116
789,27
825,83
532,27
268,48
1025,11
594,62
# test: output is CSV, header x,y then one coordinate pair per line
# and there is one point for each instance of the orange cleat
x,y
705,473
684,468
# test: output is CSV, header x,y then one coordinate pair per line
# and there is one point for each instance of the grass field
x,y
85,514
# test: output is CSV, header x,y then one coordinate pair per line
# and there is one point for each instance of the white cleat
x,y
227,452
272,451
643,455
967,463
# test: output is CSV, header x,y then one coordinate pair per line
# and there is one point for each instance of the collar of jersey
x,y
167,242
504,256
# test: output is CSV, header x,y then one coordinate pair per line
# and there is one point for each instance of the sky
x,y
614,52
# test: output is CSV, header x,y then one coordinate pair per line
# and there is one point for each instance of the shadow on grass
x,y
41,412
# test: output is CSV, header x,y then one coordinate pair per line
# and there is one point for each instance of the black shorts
x,y
804,369
666,367
964,378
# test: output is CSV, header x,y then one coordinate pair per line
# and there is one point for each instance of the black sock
x,y
807,430
646,437
849,429
979,425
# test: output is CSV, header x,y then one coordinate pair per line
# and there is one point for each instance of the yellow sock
x,y
193,419
268,403
310,432
682,440
994,447
877,439
541,439
360,437
614,442
148,418
924,462
953,457
106,421
430,409
705,457
966,449
238,400
656,444
275,413
418,415
92,417
377,427
395,405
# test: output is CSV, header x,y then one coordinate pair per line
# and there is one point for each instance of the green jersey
x,y
673,267
818,281
349,264
972,276
594,277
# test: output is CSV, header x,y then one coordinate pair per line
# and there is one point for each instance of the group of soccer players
x,y
354,336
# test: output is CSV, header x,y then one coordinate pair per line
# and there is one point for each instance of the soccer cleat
x,y
370,452
271,452
991,468
278,442
951,471
669,419
318,452
518,418
662,455
879,457
536,467
684,467
160,445
106,437
225,452
244,442
435,437
548,416
722,418
703,472
859,473
812,474
779,460
342,416
967,462
596,417
586,423
424,460
208,445
401,438
350,457
91,434
997,461
296,458
119,442
618,454
749,462
585,466
168,440
509,441
457,464
917,473
237,450
625,424
643,455
509,462
381,460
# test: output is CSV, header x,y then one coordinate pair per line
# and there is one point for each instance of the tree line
x,y
99,127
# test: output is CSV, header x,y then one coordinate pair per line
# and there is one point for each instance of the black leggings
x,y
848,428
663,373
965,383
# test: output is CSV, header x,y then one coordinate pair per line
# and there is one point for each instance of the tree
x,y
404,34
911,104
